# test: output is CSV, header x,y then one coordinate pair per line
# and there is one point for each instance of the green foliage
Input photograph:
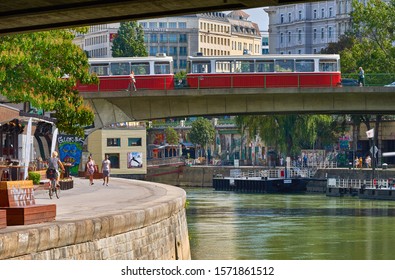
x,y
129,41
371,39
288,133
202,132
182,75
35,177
32,67
171,136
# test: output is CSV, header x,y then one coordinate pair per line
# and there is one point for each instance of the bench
x,y
17,199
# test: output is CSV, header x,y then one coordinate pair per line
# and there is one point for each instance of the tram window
x,y
304,65
265,66
140,68
222,66
327,66
120,68
245,66
284,65
162,68
99,69
201,67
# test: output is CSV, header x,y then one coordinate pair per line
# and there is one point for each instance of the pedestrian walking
x,y
361,77
132,82
105,169
90,169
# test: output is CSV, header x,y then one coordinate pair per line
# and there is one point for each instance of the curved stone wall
x,y
156,231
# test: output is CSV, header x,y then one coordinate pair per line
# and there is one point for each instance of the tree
x,y
34,67
372,38
287,133
202,133
345,42
171,136
129,41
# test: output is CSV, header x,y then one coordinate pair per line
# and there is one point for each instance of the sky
x,y
259,16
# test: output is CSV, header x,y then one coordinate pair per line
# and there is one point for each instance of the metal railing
x,y
359,184
219,80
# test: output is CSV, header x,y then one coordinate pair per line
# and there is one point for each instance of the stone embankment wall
x,y
201,176
184,176
156,233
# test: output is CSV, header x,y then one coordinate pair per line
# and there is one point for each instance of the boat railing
x,y
358,183
272,173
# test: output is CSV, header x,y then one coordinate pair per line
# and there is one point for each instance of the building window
x,y
153,51
182,25
183,63
330,12
173,38
143,24
322,13
163,49
113,142
114,159
322,33
300,35
134,142
315,14
282,18
163,38
314,33
300,15
173,51
172,24
289,17
153,25
183,50
330,32
183,38
162,24
153,38
281,38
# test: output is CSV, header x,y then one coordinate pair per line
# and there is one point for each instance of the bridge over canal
x,y
121,106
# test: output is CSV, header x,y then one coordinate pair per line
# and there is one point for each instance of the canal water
x,y
235,226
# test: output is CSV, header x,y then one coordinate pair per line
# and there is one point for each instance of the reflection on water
x,y
226,225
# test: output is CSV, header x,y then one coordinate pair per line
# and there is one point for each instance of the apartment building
x,y
307,28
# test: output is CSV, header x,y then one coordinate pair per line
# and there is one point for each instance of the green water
x,y
230,226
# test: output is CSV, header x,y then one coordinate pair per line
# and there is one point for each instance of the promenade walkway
x,y
133,209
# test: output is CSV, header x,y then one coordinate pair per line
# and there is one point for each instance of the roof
x,y
239,15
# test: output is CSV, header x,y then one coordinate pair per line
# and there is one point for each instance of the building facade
x,y
307,28
98,41
125,144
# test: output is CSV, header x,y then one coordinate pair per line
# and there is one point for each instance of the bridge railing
x,y
264,80
233,80
373,79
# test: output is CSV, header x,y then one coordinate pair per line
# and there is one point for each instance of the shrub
x,y
35,177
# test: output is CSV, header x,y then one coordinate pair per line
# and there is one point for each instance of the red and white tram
x,y
152,73
264,71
